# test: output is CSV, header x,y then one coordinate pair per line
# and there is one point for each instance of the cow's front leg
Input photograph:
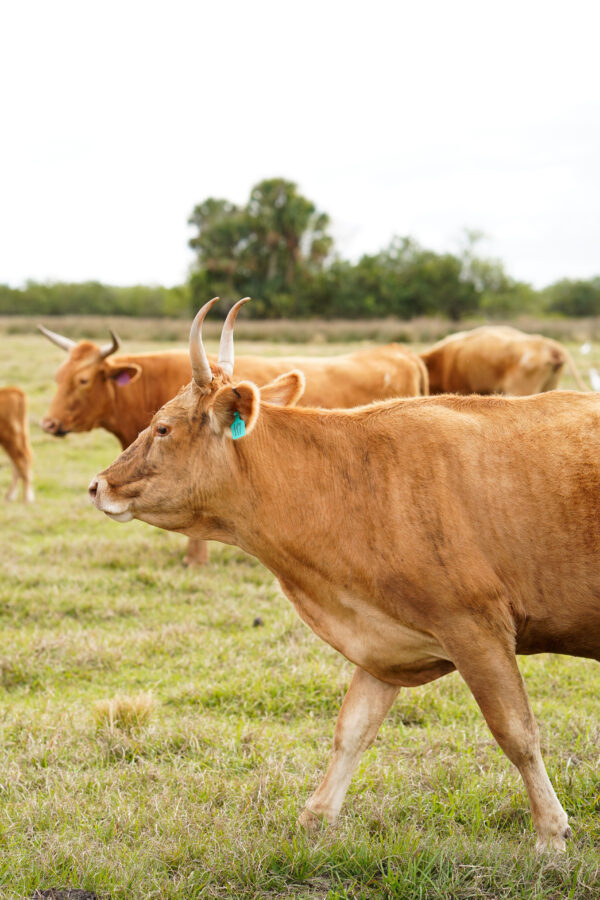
x,y
365,706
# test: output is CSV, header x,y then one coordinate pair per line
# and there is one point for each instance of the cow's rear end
x,y
14,438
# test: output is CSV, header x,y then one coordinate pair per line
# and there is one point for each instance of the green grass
x,y
199,798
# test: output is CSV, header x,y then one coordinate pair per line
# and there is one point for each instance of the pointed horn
x,y
63,342
226,356
107,349
200,365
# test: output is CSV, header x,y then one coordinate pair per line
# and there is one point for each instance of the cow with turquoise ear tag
x,y
416,536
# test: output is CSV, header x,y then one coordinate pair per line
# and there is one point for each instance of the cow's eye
x,y
84,381
162,429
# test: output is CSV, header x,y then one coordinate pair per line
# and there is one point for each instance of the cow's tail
x,y
23,417
574,372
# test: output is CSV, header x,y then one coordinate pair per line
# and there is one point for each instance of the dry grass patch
x,y
123,713
315,333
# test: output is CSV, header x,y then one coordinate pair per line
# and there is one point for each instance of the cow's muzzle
x,y
54,427
99,491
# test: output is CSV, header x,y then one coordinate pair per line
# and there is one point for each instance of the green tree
x,y
487,275
500,294
267,248
406,280
574,298
288,233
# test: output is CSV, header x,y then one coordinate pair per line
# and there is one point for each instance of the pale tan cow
x,y
14,438
415,536
96,389
497,360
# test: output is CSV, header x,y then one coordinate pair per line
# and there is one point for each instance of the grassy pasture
x,y
193,789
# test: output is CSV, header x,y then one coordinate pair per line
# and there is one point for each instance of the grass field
x,y
190,785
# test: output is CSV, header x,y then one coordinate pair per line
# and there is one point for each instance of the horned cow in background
x,y
14,438
415,536
96,389
497,360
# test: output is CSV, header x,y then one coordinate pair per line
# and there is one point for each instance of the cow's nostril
x,y
93,488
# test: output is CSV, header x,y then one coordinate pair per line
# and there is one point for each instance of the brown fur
x,y
14,438
415,536
496,360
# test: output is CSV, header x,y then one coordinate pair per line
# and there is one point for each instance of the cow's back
x,y
345,381
494,359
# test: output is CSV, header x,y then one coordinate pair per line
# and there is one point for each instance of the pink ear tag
x,y
123,378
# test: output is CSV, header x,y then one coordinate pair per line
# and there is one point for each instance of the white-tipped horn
x,y
200,365
64,343
114,345
226,357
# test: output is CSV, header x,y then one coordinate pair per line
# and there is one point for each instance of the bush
x,y
94,298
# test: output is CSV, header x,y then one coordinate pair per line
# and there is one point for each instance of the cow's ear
x,y
237,406
124,373
285,390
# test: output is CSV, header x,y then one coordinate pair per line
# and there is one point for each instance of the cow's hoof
x,y
311,821
554,843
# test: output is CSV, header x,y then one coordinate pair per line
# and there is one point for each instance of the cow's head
x,y
86,383
180,472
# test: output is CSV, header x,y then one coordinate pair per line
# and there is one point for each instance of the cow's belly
x,y
372,639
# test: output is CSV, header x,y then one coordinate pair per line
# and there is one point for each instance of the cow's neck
x,y
124,429
131,409
296,490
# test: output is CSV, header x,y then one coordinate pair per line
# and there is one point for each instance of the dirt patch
x,y
63,894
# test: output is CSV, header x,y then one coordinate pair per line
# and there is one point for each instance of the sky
x,y
421,118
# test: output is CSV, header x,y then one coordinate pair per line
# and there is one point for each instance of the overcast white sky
x,y
415,118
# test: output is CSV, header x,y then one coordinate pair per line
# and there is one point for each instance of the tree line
x,y
277,248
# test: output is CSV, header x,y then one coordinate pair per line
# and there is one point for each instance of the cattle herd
x,y
417,536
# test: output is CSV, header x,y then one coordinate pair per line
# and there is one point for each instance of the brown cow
x,y
14,438
122,393
415,536
497,360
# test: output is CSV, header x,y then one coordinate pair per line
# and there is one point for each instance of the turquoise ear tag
x,y
238,426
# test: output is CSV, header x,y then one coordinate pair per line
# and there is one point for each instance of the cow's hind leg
x,y
19,452
22,463
364,708
14,485
491,672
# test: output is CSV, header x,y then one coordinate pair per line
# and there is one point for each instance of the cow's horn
x,y
107,349
226,345
64,342
200,366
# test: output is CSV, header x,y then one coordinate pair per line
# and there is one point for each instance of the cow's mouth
x,y
124,516
111,508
